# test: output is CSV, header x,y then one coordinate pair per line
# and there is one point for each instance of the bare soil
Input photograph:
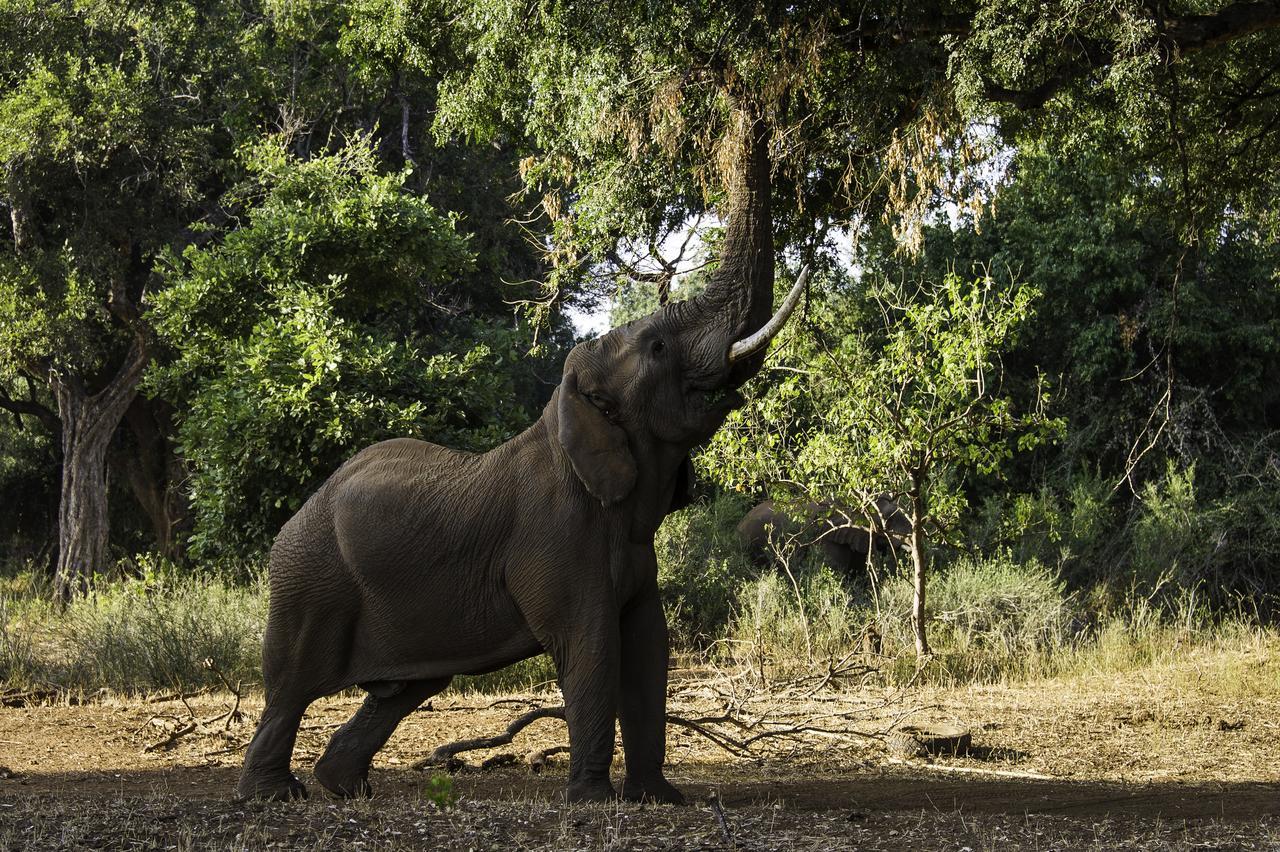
x,y
1179,756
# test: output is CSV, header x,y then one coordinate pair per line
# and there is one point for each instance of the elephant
x,y
824,527
414,563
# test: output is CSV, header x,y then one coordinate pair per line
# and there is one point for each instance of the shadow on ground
x,y
876,790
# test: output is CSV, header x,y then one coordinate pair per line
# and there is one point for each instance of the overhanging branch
x,y
32,408
1177,38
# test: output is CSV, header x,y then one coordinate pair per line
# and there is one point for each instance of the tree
x,y
900,394
875,107
121,126
103,150
1156,344
307,332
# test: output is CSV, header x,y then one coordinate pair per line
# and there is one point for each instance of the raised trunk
x,y
88,422
740,294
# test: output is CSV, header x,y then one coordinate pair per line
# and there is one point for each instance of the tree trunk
x,y
154,473
918,560
920,564
88,422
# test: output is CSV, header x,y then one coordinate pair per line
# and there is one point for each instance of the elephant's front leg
x,y
587,664
642,710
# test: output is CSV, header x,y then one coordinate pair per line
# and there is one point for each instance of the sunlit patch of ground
x,y
1181,756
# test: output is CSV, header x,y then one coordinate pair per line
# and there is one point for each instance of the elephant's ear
x,y
853,536
597,449
683,494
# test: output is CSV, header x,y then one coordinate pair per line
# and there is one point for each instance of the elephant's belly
x,y
414,636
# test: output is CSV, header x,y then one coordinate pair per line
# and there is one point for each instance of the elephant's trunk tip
x,y
749,346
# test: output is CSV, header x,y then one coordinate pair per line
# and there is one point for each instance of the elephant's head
x,y
654,388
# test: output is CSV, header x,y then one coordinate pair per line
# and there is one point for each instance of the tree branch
x,y
1178,37
442,755
1200,32
32,408
871,34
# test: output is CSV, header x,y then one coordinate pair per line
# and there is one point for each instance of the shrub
x,y
783,625
522,676
19,663
995,604
700,567
155,632
1072,530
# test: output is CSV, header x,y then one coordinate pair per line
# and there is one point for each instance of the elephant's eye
x,y
604,405
658,347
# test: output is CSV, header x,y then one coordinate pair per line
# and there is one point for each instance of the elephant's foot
x,y
651,790
593,790
271,788
345,782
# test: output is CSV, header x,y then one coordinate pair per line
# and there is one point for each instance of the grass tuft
x,y
157,631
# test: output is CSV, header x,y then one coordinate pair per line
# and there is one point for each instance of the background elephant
x,y
826,528
414,563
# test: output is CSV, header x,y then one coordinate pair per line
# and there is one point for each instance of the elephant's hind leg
x,y
344,768
266,773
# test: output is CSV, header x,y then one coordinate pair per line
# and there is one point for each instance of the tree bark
x,y
154,473
88,423
920,564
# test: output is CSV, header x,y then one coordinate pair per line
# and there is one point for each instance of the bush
x,y
781,625
1072,530
991,619
155,632
19,663
522,676
986,605
701,564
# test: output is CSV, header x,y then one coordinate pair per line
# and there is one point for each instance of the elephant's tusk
x,y
749,346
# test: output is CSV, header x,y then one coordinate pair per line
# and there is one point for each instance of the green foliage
x,y
290,351
904,408
701,565
1070,528
28,483
781,626
439,791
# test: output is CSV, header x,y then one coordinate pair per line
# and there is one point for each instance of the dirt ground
x,y
1179,756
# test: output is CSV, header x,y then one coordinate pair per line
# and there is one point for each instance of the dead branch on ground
x,y
443,755
192,724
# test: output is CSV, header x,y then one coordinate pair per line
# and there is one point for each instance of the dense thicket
x,y
244,238
245,203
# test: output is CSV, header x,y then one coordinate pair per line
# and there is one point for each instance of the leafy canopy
x,y
291,350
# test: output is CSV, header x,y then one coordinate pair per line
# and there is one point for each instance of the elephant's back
x,y
752,529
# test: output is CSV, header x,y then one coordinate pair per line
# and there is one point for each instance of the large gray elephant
x,y
414,563
828,529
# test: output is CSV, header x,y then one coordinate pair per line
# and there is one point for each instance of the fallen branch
x,y
193,723
714,801
447,755
442,755
234,713
171,740
539,758
179,696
